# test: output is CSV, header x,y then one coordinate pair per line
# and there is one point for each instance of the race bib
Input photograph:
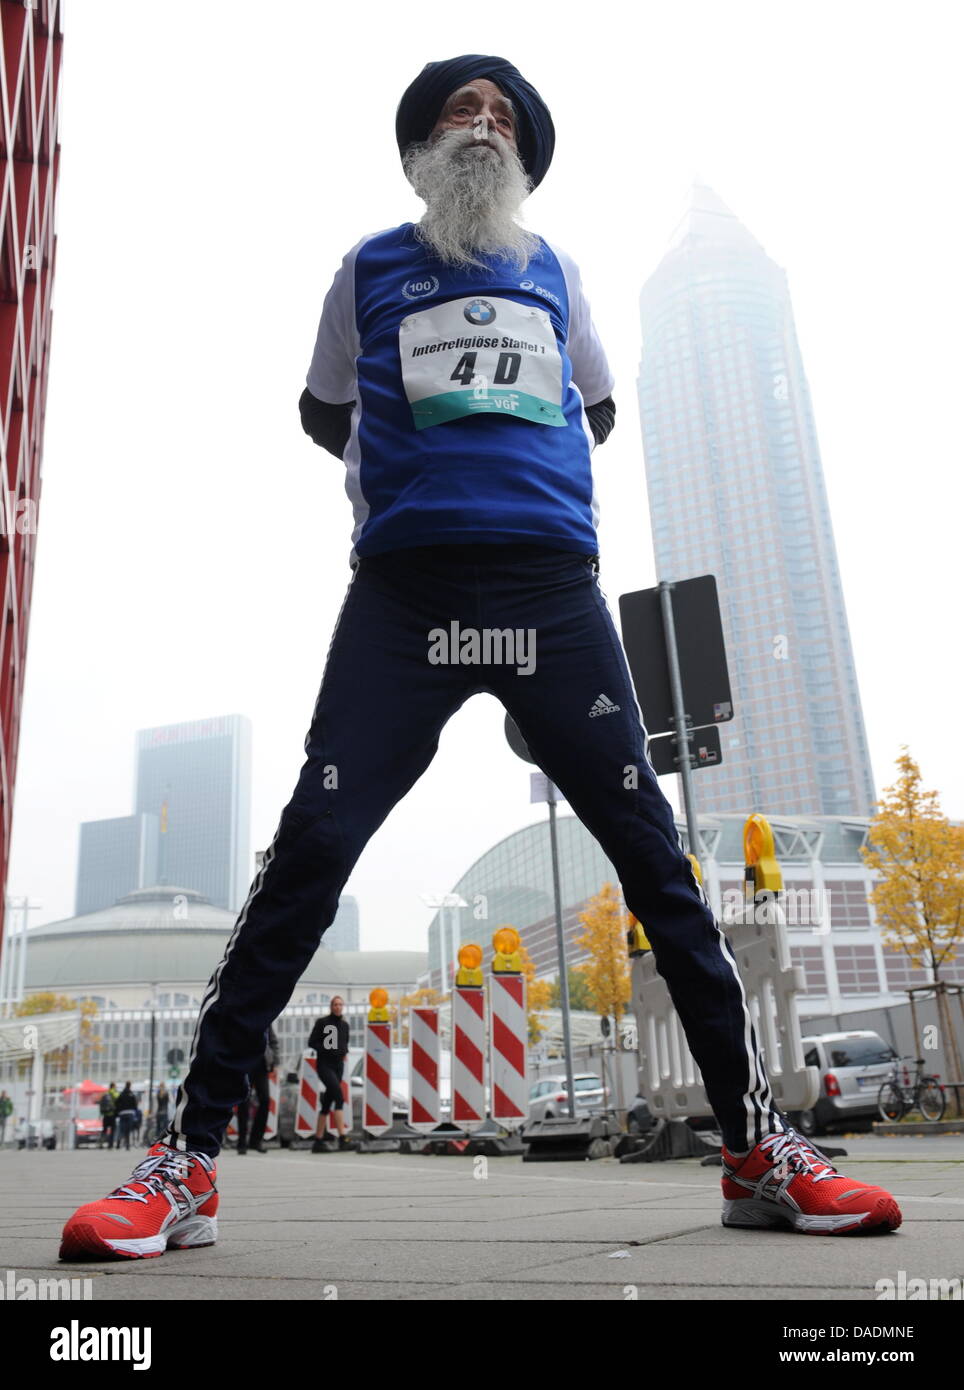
x,y
489,356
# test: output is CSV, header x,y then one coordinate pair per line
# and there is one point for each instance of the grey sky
x,y
217,163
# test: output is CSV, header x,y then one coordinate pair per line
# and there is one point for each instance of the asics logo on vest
x,y
603,706
420,287
537,289
480,312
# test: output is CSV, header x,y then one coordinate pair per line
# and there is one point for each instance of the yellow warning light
x,y
507,960
636,941
506,940
378,1013
759,852
470,960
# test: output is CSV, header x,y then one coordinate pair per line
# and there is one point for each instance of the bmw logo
x,y
480,312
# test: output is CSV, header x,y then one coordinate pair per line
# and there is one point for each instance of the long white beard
x,y
472,190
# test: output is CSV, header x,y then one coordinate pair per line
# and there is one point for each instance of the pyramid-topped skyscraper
x,y
736,489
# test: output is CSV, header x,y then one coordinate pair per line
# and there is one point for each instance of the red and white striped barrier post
x,y
271,1125
468,1041
425,1102
377,1102
274,1092
509,1033
306,1111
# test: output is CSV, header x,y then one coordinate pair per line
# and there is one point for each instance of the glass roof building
x,y
833,933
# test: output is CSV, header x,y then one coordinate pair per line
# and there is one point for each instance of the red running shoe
x,y
785,1181
170,1200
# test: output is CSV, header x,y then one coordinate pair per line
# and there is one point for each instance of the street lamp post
x,y
440,902
150,1084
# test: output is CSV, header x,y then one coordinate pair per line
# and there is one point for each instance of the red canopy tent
x,y
86,1088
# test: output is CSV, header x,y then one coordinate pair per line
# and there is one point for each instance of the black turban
x,y
422,103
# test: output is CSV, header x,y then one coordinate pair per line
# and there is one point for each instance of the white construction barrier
x,y
668,1075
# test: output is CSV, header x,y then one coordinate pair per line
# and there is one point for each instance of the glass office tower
x,y
736,489
196,778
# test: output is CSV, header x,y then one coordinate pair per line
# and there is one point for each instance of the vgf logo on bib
x,y
489,355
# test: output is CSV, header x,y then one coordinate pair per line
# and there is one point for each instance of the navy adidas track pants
x,y
377,720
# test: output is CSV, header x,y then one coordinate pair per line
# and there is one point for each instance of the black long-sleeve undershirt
x,y
330,425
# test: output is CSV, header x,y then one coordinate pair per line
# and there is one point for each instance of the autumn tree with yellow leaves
x,y
605,924
398,1013
919,856
538,997
919,895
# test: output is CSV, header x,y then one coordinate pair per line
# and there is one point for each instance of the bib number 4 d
x,y
506,373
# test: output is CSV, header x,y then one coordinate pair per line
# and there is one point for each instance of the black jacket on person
x,y
126,1101
330,1046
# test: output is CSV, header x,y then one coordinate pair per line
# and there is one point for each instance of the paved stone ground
x,y
392,1226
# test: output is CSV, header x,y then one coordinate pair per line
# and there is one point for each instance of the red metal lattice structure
x,y
32,42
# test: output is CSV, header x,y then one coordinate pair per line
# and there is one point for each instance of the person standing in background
x,y
330,1040
126,1113
108,1115
161,1107
259,1084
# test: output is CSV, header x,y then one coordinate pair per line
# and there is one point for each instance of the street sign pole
x,y
538,781
681,720
561,951
560,948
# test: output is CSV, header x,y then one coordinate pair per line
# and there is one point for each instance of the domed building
x,y
146,963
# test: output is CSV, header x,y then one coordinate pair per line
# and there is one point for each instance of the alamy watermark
x,y
27,1289
18,516
916,1288
488,646
802,907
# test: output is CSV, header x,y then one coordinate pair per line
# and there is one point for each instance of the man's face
x,y
470,174
478,106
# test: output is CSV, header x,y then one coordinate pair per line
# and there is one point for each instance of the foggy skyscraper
x,y
736,489
196,778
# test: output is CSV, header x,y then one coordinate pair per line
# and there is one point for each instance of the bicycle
x,y
926,1094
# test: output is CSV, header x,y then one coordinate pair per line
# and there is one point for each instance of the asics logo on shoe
x,y
603,706
166,1174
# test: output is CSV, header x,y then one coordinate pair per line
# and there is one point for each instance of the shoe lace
x,y
791,1150
152,1176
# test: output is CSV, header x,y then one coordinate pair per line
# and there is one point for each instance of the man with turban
x,y
458,376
